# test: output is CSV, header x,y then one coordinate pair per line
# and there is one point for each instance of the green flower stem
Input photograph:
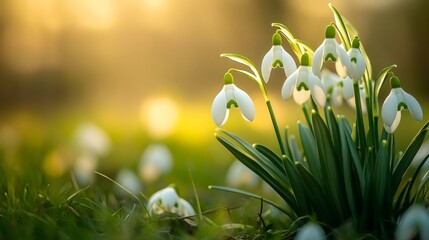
x,y
360,129
276,127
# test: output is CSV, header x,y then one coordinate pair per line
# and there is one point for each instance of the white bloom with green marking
x,y
167,200
357,66
277,57
303,83
330,50
231,96
397,101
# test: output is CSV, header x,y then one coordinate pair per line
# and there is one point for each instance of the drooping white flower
x,y
310,231
127,179
231,96
155,161
277,57
238,175
356,62
167,200
339,89
397,101
330,50
303,83
415,221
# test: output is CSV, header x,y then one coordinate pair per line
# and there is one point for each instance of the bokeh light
x,y
159,116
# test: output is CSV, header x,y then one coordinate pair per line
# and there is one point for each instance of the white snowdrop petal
x,y
289,85
348,89
389,108
342,55
289,65
395,123
413,106
266,66
300,97
219,110
339,67
185,208
357,69
318,60
317,90
245,104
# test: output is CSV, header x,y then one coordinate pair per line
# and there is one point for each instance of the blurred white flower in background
x,y
414,222
84,168
129,180
238,175
167,200
155,161
92,139
92,142
310,231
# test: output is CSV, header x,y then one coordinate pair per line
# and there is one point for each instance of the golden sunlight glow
x,y
93,14
159,116
152,4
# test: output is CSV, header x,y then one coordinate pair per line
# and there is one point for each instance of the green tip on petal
x,y
356,42
394,82
228,79
277,39
330,32
305,60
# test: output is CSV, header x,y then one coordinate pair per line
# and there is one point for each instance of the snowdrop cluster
x,y
312,79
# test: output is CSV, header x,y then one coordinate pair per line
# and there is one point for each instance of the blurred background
x,y
142,72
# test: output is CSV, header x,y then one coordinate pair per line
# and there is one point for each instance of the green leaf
x,y
245,61
310,149
252,195
356,162
379,80
315,194
298,46
408,156
276,160
328,158
256,162
341,27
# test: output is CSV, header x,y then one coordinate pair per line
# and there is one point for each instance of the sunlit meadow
x,y
107,128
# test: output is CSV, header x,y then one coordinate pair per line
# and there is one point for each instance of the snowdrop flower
x,y
303,83
230,96
92,139
167,200
339,89
330,50
414,221
398,100
239,175
155,161
129,181
310,231
277,57
357,62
